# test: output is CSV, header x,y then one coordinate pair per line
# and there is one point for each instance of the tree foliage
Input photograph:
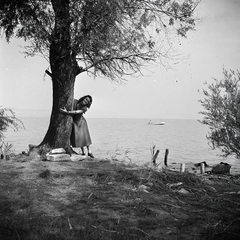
x,y
8,119
222,112
110,37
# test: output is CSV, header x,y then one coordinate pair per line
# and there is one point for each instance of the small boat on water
x,y
155,123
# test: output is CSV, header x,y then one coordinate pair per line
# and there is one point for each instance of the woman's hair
x,y
82,98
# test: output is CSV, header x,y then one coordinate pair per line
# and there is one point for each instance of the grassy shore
x,y
94,199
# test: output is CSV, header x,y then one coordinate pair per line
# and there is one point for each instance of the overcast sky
x,y
161,94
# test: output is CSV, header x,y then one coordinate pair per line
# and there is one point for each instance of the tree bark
x,y
64,71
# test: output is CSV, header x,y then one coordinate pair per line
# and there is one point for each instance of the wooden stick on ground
x,y
155,157
166,156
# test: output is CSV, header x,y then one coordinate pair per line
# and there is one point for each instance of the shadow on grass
x,y
31,227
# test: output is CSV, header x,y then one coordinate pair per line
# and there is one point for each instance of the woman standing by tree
x,y
80,136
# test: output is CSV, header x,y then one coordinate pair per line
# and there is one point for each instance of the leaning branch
x,y
123,59
48,73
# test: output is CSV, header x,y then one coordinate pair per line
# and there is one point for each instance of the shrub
x,y
221,113
8,119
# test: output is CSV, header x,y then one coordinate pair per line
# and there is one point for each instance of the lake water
x,y
132,139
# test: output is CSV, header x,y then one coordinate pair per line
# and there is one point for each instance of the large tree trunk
x,y
64,71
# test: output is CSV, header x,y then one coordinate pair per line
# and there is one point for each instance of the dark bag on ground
x,y
221,168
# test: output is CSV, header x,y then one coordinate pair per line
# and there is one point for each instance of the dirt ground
x,y
101,199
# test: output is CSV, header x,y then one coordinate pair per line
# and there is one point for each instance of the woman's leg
x,y
82,149
90,152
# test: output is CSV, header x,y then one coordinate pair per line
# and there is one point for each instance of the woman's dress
x,y
80,136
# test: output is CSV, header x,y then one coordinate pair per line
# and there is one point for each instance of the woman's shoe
x,y
90,155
